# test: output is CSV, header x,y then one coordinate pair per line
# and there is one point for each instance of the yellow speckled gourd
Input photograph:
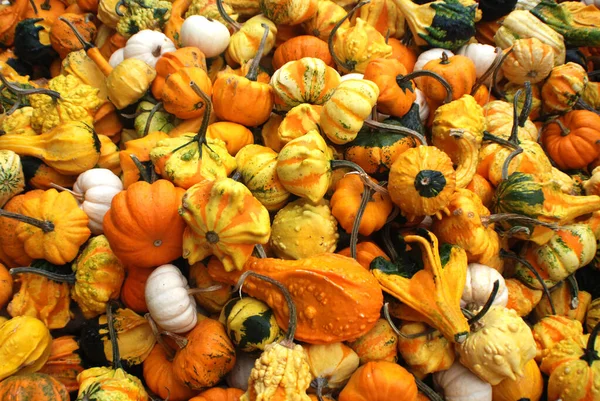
x,y
425,354
551,330
302,229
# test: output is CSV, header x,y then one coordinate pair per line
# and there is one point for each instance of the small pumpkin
x,y
324,20
288,12
159,377
178,96
331,363
235,136
297,122
250,323
528,60
219,394
64,362
422,181
299,47
458,71
172,61
33,386
12,180
378,344
62,38
563,88
552,329
132,290
424,354
143,225
458,383
379,381
530,386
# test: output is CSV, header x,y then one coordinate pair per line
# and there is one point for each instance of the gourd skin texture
x,y
378,344
500,349
134,337
335,362
459,384
128,82
480,281
380,381
552,329
115,384
33,387
425,355
302,229
12,181
223,219
337,299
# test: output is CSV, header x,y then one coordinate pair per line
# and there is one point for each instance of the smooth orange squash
x,y
219,394
380,381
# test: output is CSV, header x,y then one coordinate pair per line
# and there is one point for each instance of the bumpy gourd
x,y
12,181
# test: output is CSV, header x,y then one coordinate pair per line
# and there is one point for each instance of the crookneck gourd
x,y
435,291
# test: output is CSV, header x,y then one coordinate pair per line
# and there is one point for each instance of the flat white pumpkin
x,y
210,36
148,46
428,55
479,286
481,55
116,58
94,190
459,384
168,300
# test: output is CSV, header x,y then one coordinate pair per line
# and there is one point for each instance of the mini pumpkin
x,y
379,381
378,344
458,71
528,60
33,386
563,88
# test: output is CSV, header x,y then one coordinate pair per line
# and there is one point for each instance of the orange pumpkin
x,y
380,381
563,88
458,71
33,386
159,376
140,148
235,136
62,38
143,225
6,284
64,363
178,96
219,394
573,141
171,62
406,55
529,386
366,251
299,47
10,16
132,291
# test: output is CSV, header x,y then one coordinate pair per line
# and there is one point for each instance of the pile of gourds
x,y
299,200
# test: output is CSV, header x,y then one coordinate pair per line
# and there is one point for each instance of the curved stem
x,y
487,305
514,131
488,73
528,266
236,25
400,79
201,135
61,278
45,5
387,243
34,6
564,131
45,226
153,111
346,163
527,105
590,354
583,105
347,65
397,128
76,195
116,357
319,383
118,8
26,92
260,251
574,289
428,391
212,288
395,329
149,178
364,201
494,218
86,45
158,335
253,71
293,319
493,138
499,93
509,159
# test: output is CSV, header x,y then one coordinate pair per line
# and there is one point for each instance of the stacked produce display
x,y
295,200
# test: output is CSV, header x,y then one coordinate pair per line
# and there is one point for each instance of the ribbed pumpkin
x,y
64,363
573,140
528,387
299,47
422,181
33,387
563,88
308,80
171,62
528,60
384,16
143,225
458,71
12,181
179,98
328,14
132,290
158,374
385,380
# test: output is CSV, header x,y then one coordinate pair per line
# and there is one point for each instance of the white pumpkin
x,y
168,300
481,55
239,375
431,54
459,384
591,2
479,286
210,36
148,46
94,190
423,105
352,75
116,58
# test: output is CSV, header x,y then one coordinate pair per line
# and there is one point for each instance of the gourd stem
x,y
487,306
364,201
86,45
236,25
293,319
158,335
514,131
35,10
397,128
45,226
318,383
76,195
149,178
574,289
509,159
181,341
395,212
387,243
493,67
395,329
45,5
590,355
344,64
116,357
428,391
527,105
493,138
118,8
528,266
401,79
253,71
494,218
212,288
61,278
201,135
236,176
583,105
346,163
564,131
444,58
153,111
260,251
500,93
20,92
